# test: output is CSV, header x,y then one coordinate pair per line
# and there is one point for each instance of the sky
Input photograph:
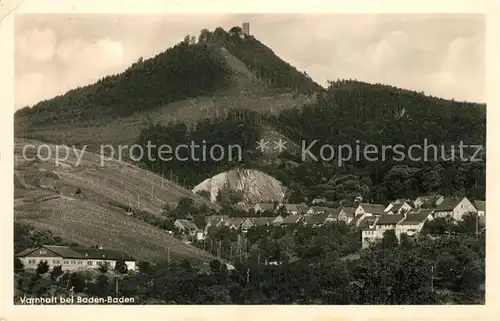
x,y
442,55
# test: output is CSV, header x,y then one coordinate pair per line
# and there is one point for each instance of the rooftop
x,y
377,209
71,252
415,217
389,219
449,204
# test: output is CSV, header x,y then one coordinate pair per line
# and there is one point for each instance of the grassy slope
x,y
99,217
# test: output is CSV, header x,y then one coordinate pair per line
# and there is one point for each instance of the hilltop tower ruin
x,y
246,28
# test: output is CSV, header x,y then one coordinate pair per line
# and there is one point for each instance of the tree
x,y
205,194
389,240
77,282
43,267
228,197
405,241
103,267
18,265
56,272
121,267
235,31
204,35
144,267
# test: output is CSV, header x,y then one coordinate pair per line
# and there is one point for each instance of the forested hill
x,y
354,114
262,61
192,68
183,71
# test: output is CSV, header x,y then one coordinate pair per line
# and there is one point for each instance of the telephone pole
x,y
432,279
477,226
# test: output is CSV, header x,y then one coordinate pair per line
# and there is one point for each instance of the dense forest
x,y
354,114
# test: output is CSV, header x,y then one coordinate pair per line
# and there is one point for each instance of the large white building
x,y
73,258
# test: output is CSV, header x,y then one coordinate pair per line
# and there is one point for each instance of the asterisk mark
x,y
262,145
280,145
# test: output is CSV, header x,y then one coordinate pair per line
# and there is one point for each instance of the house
x,y
333,213
347,214
277,221
189,228
369,236
414,221
376,229
185,226
73,258
317,210
317,220
388,221
247,224
454,207
429,201
264,207
294,209
234,223
215,221
480,207
370,209
367,222
356,220
291,220
398,207
262,221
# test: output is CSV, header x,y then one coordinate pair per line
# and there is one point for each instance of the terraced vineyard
x,y
96,215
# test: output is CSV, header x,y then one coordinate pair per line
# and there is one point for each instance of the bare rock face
x,y
256,186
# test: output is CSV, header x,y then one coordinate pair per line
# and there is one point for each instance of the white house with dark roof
x,y
73,258
291,220
376,230
215,221
277,221
480,207
370,209
428,201
189,228
317,220
295,209
414,221
398,207
346,214
454,207
264,207
262,221
234,223
317,210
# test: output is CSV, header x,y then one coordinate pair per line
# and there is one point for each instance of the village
x,y
402,215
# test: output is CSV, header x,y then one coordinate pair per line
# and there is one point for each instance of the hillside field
x,y
88,203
